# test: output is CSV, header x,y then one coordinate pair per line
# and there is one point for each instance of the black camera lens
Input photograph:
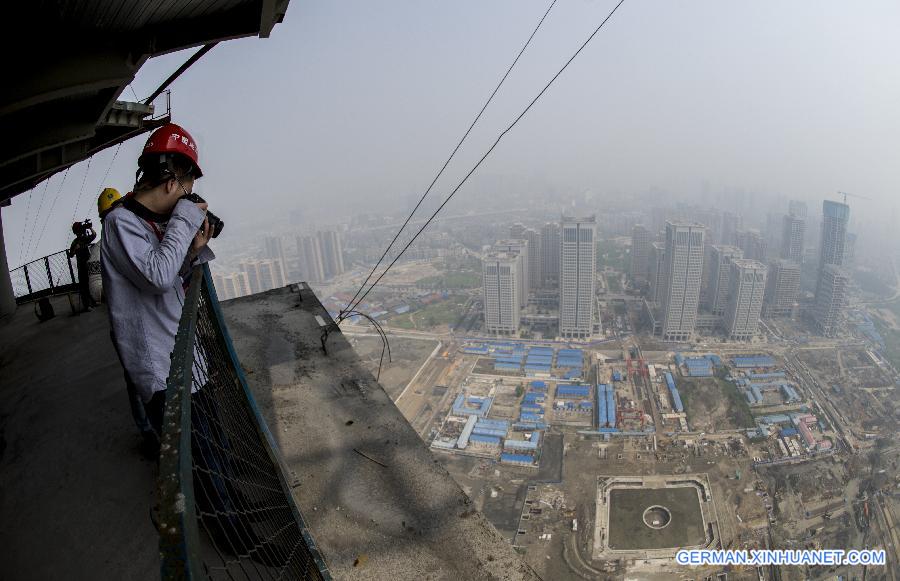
x,y
215,223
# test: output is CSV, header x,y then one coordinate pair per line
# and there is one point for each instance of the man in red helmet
x,y
148,246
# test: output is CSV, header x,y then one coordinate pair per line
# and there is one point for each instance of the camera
x,y
79,228
215,223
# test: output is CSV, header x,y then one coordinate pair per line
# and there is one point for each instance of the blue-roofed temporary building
x,y
466,433
757,393
788,432
572,392
539,385
753,361
484,440
517,459
764,376
474,406
698,367
679,359
790,394
529,425
532,409
676,397
485,431
527,445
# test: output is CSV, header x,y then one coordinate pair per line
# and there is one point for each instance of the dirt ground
x,y
708,406
407,356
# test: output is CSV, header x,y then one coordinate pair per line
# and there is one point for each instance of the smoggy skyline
x,y
354,106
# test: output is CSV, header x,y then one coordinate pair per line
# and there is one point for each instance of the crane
x,y
845,194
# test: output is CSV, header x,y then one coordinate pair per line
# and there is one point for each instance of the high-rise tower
x,y
684,266
577,274
745,298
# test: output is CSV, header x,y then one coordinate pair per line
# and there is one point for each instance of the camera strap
x,y
150,217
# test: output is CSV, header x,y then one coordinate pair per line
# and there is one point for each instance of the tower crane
x,y
845,194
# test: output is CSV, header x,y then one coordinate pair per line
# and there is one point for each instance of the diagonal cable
x,y
341,315
487,153
81,190
24,249
62,183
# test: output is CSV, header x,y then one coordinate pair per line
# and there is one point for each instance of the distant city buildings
x,y
793,232
517,247
831,299
684,266
231,286
577,274
752,244
721,256
832,282
731,223
656,262
501,286
535,277
332,252
263,275
550,255
747,285
782,288
835,217
311,265
641,239
320,256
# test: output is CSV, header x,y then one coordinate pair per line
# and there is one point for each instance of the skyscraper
x,y
831,298
745,298
731,223
719,276
535,276
231,286
684,266
263,275
797,208
831,286
657,270
793,231
311,267
782,288
752,244
272,273
517,230
834,233
640,252
518,247
501,292
275,249
577,273
550,255
332,252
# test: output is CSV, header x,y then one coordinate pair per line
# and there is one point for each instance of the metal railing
x,y
50,275
226,510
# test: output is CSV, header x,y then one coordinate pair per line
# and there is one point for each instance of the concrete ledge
x,y
377,502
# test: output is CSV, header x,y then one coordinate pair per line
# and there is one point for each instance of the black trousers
x,y
222,506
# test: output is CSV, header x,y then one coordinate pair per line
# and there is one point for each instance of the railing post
x,y
27,279
49,274
71,272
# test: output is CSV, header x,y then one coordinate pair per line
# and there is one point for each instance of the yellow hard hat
x,y
106,201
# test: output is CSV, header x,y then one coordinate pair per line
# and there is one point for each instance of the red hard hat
x,y
173,139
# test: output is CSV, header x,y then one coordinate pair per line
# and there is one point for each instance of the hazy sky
x,y
356,104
